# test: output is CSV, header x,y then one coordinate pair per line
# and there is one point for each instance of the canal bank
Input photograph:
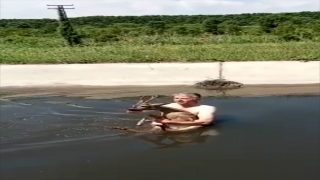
x,y
155,74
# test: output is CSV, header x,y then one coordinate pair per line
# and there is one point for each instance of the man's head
x,y
186,99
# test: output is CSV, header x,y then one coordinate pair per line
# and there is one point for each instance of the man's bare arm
x,y
206,116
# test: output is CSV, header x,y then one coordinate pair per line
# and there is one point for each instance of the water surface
x,y
67,138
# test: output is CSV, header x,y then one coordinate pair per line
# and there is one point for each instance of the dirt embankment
x,y
103,92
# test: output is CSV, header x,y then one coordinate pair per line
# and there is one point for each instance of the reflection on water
x,y
181,139
175,140
68,138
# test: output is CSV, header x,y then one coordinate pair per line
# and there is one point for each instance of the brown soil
x,y
103,92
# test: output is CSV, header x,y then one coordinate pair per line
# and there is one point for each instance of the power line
x,y
61,10
60,6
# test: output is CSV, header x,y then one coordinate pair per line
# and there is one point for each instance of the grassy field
x,y
46,50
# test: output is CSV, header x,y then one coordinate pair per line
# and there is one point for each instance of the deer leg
x,y
141,121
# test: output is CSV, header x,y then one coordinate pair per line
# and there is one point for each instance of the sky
x,y
37,9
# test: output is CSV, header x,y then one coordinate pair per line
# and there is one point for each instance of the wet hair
x,y
197,95
194,95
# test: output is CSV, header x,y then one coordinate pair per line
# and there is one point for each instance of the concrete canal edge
x,y
115,74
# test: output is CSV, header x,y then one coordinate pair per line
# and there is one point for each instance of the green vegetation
x,y
243,37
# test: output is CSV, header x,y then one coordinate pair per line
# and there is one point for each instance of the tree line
x,y
288,26
245,19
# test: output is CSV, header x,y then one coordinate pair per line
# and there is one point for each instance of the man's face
x,y
182,99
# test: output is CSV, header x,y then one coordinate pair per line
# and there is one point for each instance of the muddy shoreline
x,y
110,92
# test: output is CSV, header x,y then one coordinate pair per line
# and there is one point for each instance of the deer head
x,y
144,104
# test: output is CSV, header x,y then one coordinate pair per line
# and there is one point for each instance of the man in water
x,y
190,102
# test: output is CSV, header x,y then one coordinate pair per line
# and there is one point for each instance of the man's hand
x,y
166,121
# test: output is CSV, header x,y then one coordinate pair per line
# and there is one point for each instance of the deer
x,y
165,113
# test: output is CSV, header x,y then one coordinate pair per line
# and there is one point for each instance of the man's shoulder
x,y
202,107
173,105
207,108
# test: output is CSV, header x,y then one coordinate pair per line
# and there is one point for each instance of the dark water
x,y
257,138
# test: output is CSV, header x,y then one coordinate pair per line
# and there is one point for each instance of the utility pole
x,y
66,30
61,10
